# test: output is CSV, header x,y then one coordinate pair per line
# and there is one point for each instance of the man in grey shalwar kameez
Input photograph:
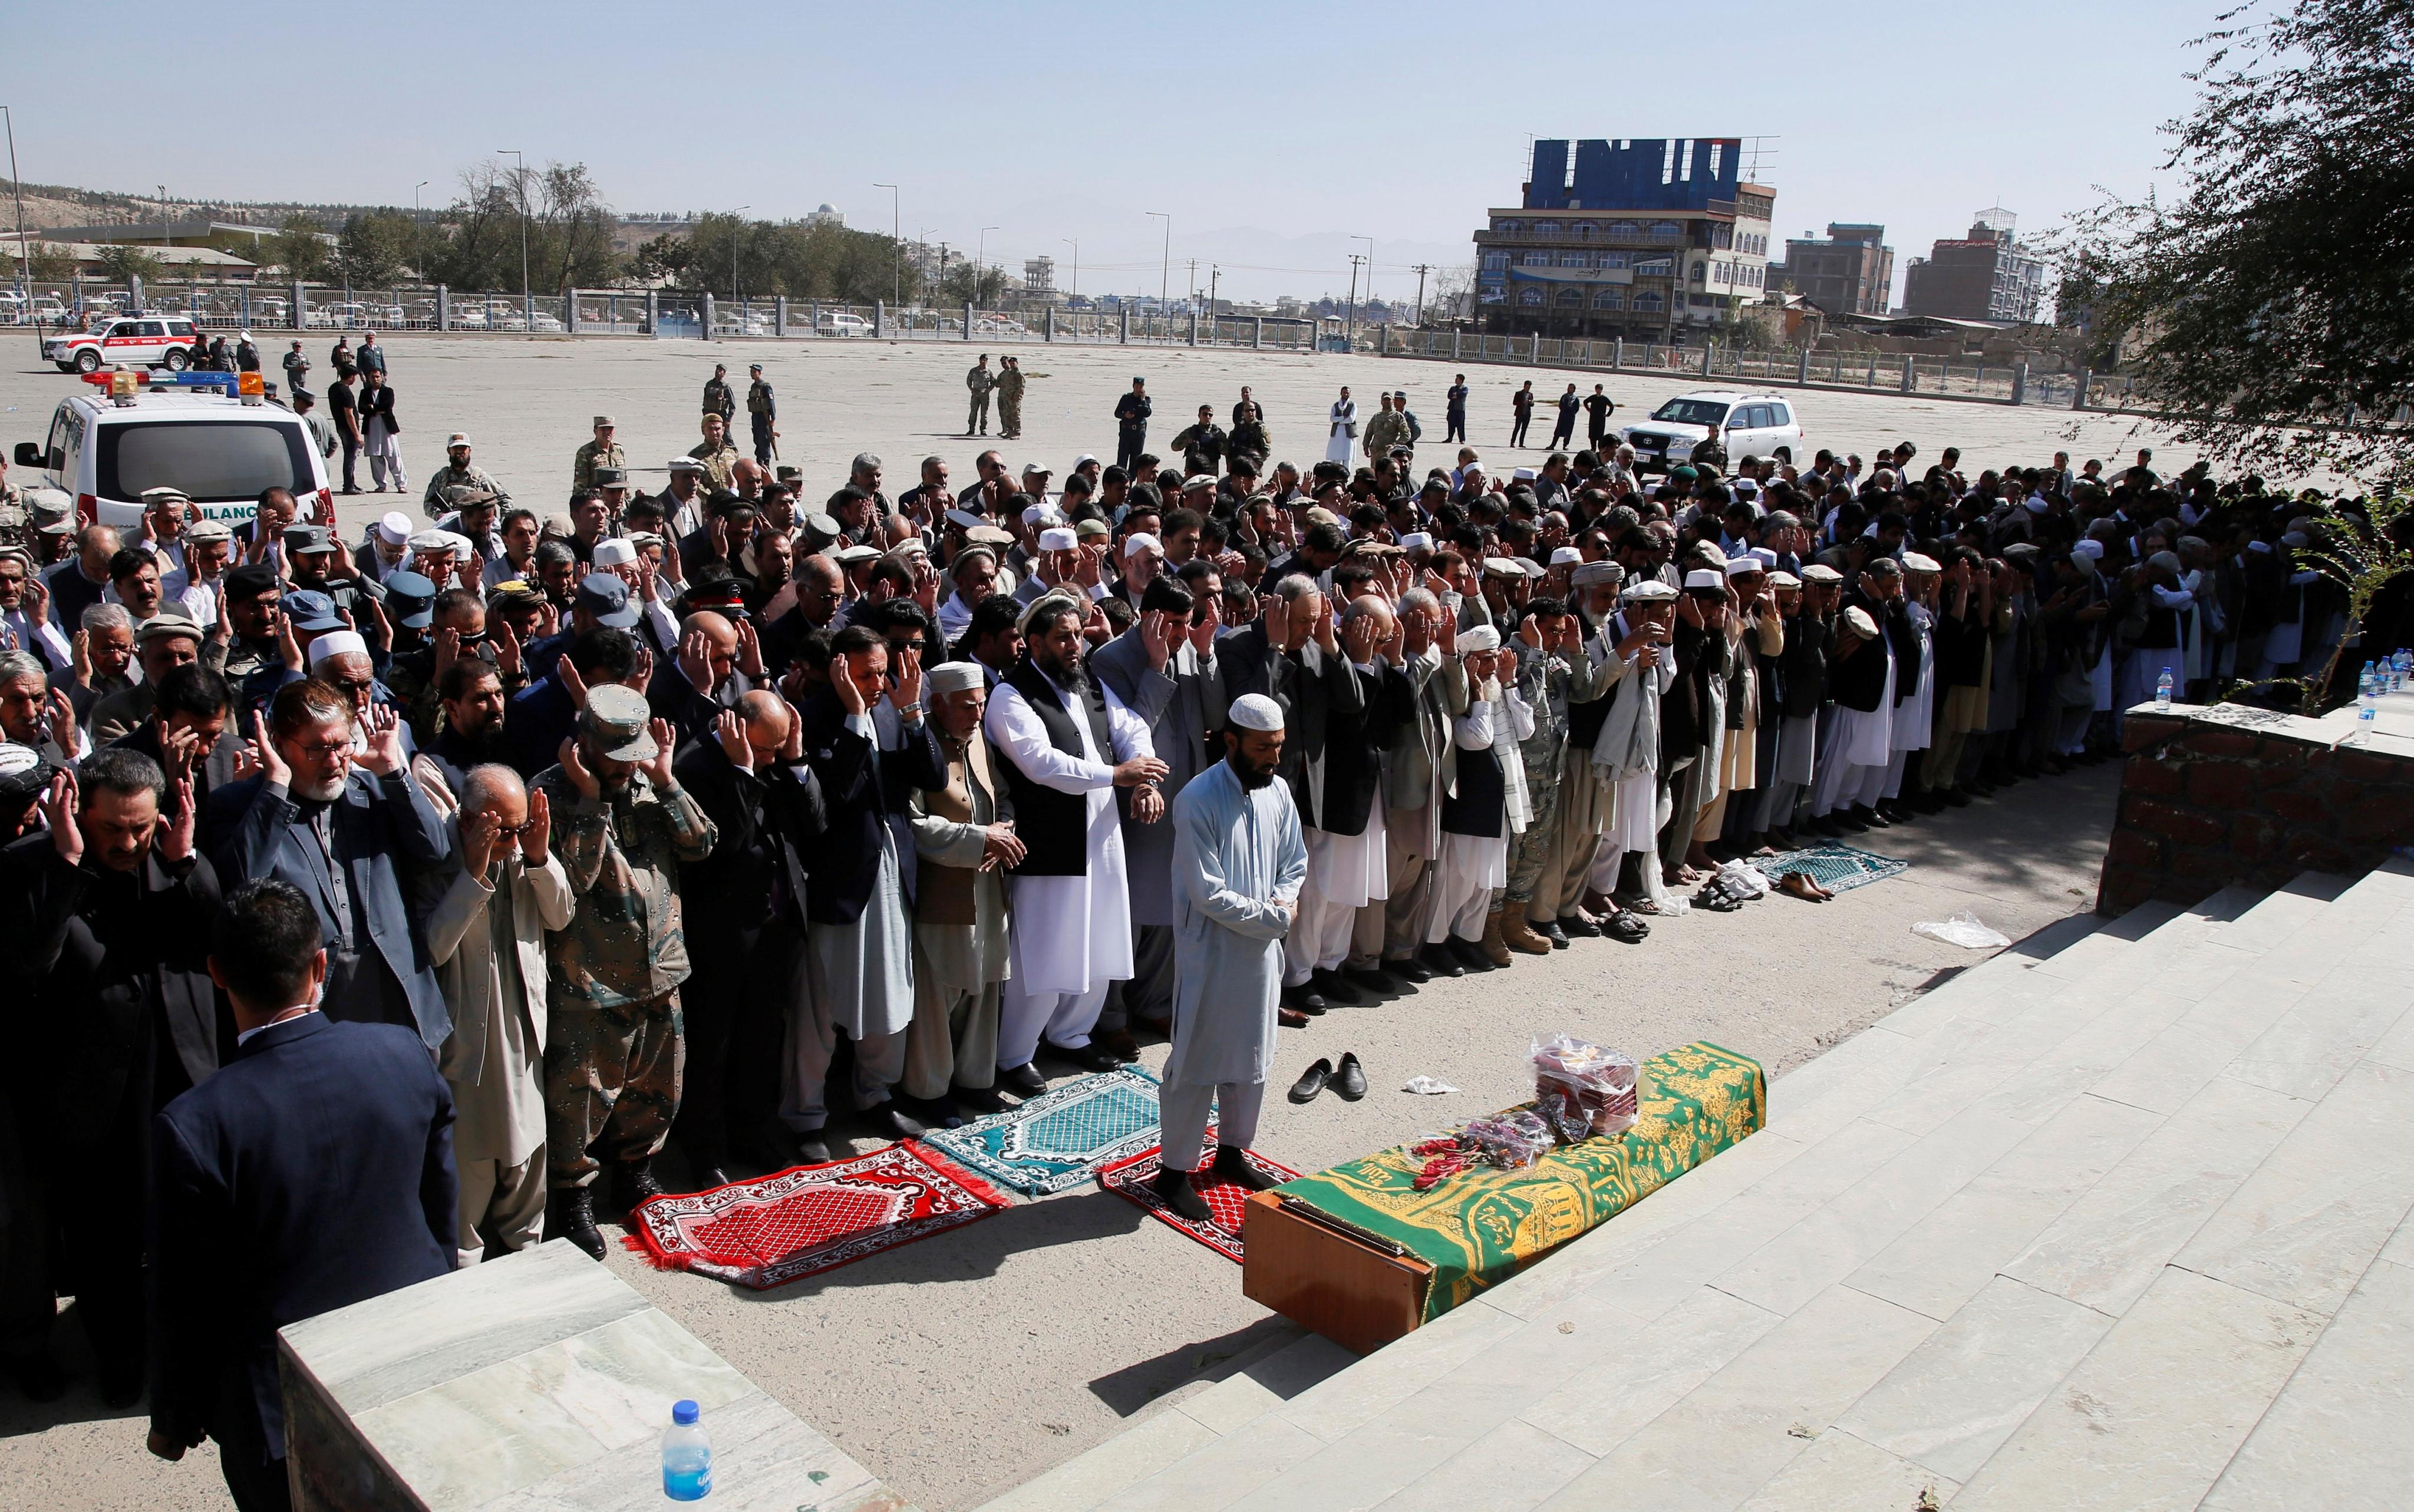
x,y
1240,859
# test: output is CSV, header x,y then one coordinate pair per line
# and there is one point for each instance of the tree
x,y
376,248
2267,301
50,263
300,247
124,263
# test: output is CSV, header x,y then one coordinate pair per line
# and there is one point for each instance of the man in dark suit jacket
x,y
346,835
107,916
313,1172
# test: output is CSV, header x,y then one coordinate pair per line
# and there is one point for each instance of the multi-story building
x,y
1040,278
1986,276
1849,271
1633,237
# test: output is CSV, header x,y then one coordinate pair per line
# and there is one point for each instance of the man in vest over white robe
x,y
1240,859
1067,743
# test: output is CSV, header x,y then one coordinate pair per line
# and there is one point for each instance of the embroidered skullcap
x,y
1479,638
614,551
1058,539
336,644
955,676
1256,711
1738,566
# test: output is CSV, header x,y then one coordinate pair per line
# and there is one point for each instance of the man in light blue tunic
x,y
1239,861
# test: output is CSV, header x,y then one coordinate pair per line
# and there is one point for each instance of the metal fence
x,y
699,314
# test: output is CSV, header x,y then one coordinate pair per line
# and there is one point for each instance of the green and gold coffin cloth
x,y
1484,1225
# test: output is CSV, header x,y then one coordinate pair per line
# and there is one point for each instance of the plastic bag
x,y
1962,929
1744,881
1580,1086
1510,1140
1428,1087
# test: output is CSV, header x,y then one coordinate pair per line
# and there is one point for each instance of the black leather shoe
x,y
1552,932
1577,927
1089,1057
1117,1042
1303,998
1349,1078
977,1099
1024,1080
572,1218
892,1119
1373,980
1470,954
704,1178
1179,1195
1869,818
1408,968
634,1181
1234,1167
1334,991
1311,1081
1442,961
812,1148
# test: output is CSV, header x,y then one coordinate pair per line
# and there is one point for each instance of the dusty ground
x,y
965,1364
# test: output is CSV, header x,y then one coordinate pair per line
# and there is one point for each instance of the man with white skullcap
x,y
1240,859
1626,749
1484,812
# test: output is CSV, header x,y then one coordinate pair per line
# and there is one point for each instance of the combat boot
x,y
1495,948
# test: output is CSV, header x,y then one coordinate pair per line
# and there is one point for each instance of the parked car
x,y
1761,425
135,341
840,323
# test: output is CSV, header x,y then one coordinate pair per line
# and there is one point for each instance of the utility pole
x,y
1423,267
737,233
1075,292
24,246
513,151
1165,265
897,249
1194,281
165,239
1215,274
1349,328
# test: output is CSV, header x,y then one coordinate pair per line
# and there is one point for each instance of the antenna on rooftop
x,y
1759,154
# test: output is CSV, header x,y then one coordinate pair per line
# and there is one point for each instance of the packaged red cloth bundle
x,y
1582,1090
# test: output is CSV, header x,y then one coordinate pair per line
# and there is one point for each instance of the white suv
x,y
221,449
1758,425
126,341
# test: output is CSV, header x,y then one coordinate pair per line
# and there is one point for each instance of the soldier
x,y
1388,429
1131,424
457,472
1248,438
980,380
718,400
718,456
603,452
613,1049
16,516
763,411
1009,400
1202,445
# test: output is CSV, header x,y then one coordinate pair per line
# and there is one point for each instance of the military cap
x,y
308,538
620,722
310,610
788,472
723,596
464,495
611,477
607,598
410,598
605,422
249,581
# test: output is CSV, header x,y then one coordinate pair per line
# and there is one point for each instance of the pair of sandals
x,y
1803,885
1718,897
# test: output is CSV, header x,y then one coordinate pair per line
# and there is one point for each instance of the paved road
x,y
965,1364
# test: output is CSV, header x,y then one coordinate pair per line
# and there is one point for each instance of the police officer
x,y
458,472
1131,424
763,409
718,456
1454,412
718,400
980,381
603,452
1009,399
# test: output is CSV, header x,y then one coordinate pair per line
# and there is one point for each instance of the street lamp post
x,y
737,228
418,229
1075,292
895,248
165,239
24,246
1370,281
980,261
513,151
1165,266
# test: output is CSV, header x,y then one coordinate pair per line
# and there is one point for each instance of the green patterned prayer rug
x,y
1481,1226
1839,868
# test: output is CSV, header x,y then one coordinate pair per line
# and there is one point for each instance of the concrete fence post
x,y
443,307
1258,334
709,306
2020,384
1124,334
654,312
1910,373
780,315
1802,367
1709,352
2078,395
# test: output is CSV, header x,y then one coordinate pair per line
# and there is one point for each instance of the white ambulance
x,y
194,431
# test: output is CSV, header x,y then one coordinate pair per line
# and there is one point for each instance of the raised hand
x,y
1208,619
382,752
1324,636
81,642
448,650
589,786
1275,615
908,696
1363,635
750,650
539,833
289,650
176,831
1156,636
573,682
481,836
507,649
792,748
658,766
63,723
58,806
925,587
731,732
696,660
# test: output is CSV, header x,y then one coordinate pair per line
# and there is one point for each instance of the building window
x,y
1656,268
1649,299
1625,230
1571,297
1575,259
1701,272
1666,231
1495,261
1546,227
1509,227
1614,259
1538,260
1585,229
1531,297
1722,236
1609,299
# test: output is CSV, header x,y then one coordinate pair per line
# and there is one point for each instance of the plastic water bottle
x,y
2163,689
2368,690
687,1455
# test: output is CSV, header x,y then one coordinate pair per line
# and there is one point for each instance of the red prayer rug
x,y
1135,1178
809,1218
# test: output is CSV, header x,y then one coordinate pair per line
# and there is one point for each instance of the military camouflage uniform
x,y
717,462
980,380
1388,429
615,1047
16,519
1546,682
450,477
590,456
1009,403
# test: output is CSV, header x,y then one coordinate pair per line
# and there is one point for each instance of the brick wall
x,y
2215,797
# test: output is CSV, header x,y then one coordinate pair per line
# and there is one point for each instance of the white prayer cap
x,y
1783,579
2037,505
1913,562
1479,638
393,527
852,555
1588,573
1256,711
955,676
1058,539
1525,475
336,644
1139,540
2090,549
1705,577
1738,566
613,551
1764,556
1416,541
1565,556
1030,515
1862,625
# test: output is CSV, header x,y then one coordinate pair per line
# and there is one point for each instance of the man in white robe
x,y
1068,742
1627,750
1240,859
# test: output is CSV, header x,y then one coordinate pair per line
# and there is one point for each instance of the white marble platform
x,y
2117,1220
536,1383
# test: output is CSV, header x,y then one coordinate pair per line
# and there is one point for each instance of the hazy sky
x,y
1272,134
